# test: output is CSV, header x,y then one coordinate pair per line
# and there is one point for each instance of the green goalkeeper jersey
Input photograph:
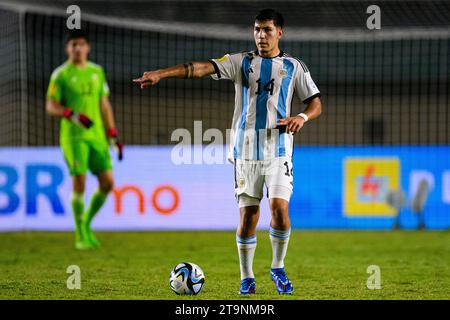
x,y
80,89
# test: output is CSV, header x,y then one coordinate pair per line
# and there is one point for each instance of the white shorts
x,y
251,175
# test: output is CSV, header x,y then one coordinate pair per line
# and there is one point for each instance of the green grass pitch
x,y
136,265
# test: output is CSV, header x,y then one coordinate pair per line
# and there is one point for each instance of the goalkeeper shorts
x,y
252,175
84,155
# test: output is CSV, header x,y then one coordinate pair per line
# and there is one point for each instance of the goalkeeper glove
x,y
113,141
77,118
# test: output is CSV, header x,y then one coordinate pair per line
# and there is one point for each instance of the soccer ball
x,y
187,278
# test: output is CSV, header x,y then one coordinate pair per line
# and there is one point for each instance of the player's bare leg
x,y
280,230
246,243
77,202
249,217
279,209
106,184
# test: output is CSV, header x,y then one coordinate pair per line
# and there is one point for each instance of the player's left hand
x,y
115,143
293,124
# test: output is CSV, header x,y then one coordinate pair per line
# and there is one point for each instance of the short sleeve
x,y
54,91
305,87
227,67
104,86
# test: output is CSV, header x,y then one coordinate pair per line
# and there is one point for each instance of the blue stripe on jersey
x,y
261,103
282,104
245,68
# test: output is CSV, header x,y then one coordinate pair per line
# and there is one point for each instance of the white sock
x,y
246,249
279,240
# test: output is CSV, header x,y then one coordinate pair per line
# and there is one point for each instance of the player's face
x,y
77,50
266,36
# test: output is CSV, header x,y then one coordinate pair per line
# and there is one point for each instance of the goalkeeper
x,y
78,94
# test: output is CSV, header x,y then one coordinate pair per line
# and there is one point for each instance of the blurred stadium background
x,y
384,130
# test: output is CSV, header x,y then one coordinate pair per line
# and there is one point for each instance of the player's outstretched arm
x,y
56,109
189,70
312,111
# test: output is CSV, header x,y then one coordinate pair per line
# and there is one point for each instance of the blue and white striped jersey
x,y
264,90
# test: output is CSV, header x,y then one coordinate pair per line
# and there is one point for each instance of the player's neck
x,y
270,54
79,64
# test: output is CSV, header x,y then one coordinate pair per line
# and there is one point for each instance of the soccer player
x,y
78,94
262,135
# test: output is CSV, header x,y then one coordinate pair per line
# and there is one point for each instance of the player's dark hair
x,y
270,14
77,34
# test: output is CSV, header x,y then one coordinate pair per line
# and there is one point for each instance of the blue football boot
x,y
247,286
284,286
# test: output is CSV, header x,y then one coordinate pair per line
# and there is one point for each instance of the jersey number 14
x,y
267,87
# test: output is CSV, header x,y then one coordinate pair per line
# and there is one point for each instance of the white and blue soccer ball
x,y
187,278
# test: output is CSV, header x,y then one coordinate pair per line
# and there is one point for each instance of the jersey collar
x,y
256,53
